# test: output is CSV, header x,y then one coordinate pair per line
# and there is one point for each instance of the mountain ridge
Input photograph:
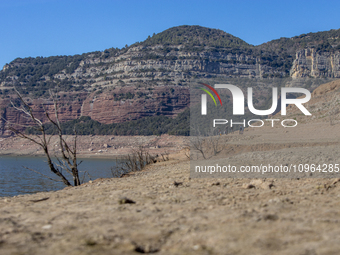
x,y
152,77
278,54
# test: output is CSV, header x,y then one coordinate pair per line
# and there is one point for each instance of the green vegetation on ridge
x,y
155,125
35,75
194,36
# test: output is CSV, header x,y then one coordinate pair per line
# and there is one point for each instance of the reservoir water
x,y
15,179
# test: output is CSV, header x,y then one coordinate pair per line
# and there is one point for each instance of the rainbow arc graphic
x,y
204,98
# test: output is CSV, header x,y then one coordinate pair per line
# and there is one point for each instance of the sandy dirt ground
x,y
162,210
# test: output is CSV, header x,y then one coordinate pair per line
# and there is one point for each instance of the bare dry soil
x,y
162,210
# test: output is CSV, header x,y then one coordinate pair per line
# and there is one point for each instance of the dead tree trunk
x,y
68,160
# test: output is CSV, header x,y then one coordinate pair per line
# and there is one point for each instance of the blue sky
x,y
31,28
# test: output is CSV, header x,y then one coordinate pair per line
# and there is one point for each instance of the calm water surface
x,y
15,179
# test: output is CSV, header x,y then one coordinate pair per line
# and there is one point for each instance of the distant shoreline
x,y
105,156
93,146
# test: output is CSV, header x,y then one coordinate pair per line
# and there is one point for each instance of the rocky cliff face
x,y
115,106
132,104
152,77
310,63
70,108
175,68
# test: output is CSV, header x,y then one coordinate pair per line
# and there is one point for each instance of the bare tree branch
x,y
69,155
42,174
